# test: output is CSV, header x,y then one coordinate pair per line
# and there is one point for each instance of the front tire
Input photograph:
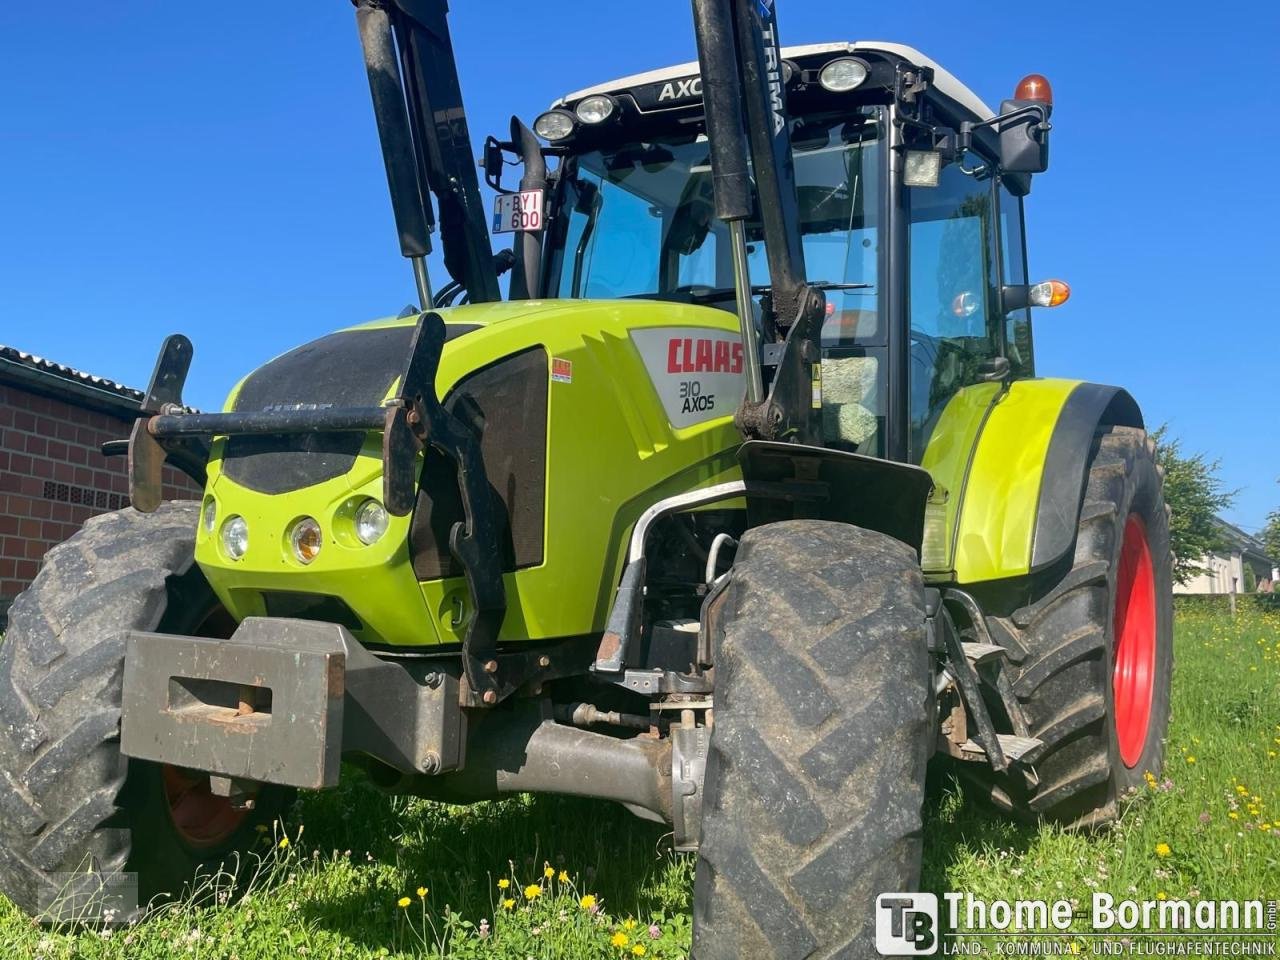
x,y
815,777
75,813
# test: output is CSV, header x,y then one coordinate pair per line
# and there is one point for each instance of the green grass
x,y
334,889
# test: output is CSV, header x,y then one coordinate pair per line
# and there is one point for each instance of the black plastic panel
x,y
508,402
349,369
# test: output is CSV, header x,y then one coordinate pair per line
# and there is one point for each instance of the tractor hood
x,y
588,412
356,367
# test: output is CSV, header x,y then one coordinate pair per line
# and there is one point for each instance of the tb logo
x,y
907,924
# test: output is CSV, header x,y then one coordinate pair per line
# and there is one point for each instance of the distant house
x,y
53,476
1240,566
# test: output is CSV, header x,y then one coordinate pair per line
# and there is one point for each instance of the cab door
x,y
957,337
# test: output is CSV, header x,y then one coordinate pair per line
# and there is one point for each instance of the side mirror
x,y
1024,127
1047,293
491,161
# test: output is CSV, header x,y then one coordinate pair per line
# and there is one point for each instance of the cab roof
x,y
943,80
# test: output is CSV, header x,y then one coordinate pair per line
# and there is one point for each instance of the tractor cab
x,y
909,220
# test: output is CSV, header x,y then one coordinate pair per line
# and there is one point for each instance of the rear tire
x,y
815,777
70,802
1093,649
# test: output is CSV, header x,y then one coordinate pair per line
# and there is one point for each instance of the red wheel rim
x,y
1134,653
201,819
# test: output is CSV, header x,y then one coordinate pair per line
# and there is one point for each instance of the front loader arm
x,y
426,144
745,106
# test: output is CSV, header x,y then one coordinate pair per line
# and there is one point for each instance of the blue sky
x,y
213,169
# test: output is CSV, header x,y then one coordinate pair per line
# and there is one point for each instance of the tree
x,y
1270,536
1195,494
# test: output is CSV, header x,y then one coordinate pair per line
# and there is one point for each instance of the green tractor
x,y
744,505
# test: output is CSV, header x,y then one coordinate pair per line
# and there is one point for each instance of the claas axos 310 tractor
x,y
743,505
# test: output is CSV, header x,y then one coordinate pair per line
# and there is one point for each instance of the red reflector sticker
x,y
561,370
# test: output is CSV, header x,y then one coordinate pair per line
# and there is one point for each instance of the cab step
x,y
1015,749
977,653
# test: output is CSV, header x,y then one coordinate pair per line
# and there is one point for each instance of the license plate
x,y
518,212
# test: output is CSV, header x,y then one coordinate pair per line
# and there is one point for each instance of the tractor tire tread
x,y
815,777
60,676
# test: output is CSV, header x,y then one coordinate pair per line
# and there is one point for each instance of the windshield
x,y
639,221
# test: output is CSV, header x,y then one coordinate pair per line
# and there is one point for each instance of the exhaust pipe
x,y
526,275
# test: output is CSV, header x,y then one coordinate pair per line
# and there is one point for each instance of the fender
x,y
1014,491
1066,467
826,484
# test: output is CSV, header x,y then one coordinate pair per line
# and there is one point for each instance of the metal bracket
x,y
147,453
788,412
689,748
969,684
1004,686
418,418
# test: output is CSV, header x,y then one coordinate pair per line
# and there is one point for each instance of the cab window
x,y
955,328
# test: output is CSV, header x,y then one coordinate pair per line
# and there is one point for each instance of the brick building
x,y
53,475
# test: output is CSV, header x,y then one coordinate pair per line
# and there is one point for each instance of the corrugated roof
x,y
68,373
59,379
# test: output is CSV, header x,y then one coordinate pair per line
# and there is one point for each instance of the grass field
x,y
356,874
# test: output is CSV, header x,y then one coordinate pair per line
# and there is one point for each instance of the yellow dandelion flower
x,y
284,843
548,871
532,892
564,876
1190,759
508,904
1264,827
588,901
1233,815
628,924
619,939
422,892
402,902
639,950
1163,849
1162,895
504,883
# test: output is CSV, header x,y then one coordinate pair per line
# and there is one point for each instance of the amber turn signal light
x,y
1050,293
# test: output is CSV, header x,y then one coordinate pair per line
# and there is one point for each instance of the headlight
x,y
843,75
306,539
235,537
210,515
555,125
371,521
596,109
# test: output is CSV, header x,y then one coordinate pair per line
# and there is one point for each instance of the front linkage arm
x,y
418,418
